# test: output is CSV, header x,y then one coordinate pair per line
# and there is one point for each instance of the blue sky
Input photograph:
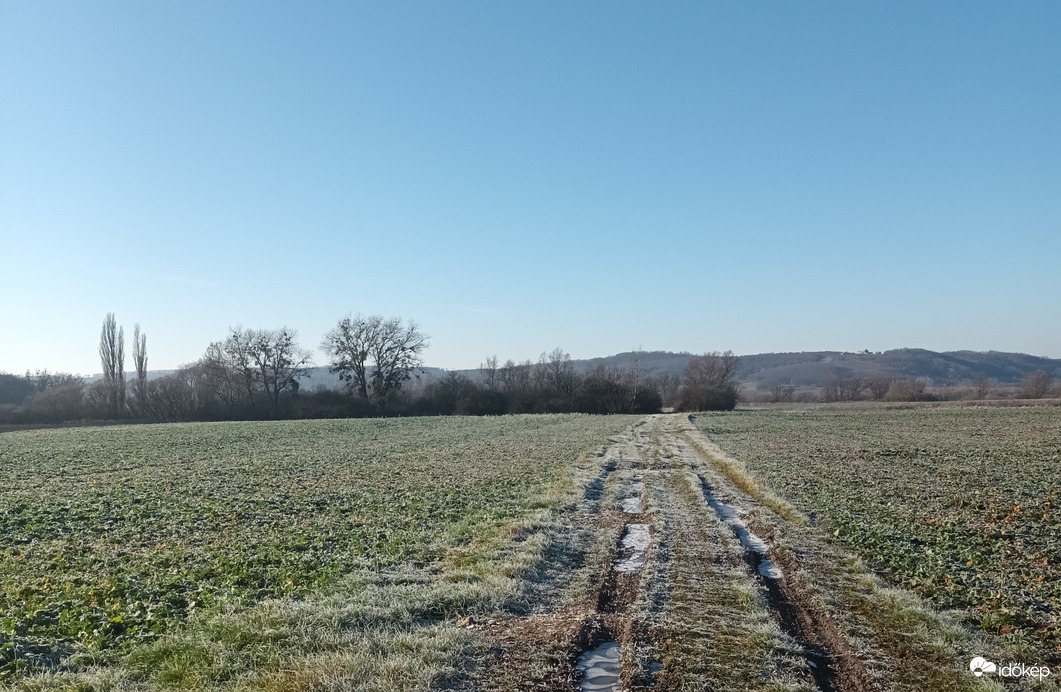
x,y
600,176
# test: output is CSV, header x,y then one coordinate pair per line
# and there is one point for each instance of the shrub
x,y
1035,385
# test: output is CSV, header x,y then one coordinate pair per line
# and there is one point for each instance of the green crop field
x,y
959,505
143,544
823,548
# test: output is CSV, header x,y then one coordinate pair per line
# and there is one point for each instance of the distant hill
x,y
651,362
952,368
812,369
324,377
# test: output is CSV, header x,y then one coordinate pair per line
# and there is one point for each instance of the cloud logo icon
x,y
981,665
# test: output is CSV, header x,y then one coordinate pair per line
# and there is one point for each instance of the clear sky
x,y
515,176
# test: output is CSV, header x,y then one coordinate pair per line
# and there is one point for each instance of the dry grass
x,y
736,473
709,620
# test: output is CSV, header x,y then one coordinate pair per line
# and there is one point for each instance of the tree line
x,y
1034,385
256,374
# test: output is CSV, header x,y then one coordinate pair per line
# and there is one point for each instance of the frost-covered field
x,y
959,505
114,539
495,553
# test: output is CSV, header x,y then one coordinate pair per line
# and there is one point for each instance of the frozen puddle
x,y
635,543
769,570
600,668
730,516
632,505
630,565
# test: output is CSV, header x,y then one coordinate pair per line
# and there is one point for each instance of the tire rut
x,y
833,662
686,592
581,645
609,630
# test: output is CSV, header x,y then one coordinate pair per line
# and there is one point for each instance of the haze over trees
x,y
939,369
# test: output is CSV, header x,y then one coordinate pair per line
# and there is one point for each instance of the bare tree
x,y
273,359
982,386
878,386
669,386
710,382
831,390
235,354
42,379
560,372
539,373
605,391
515,377
112,360
488,375
1035,385
395,355
222,381
279,361
140,363
634,376
176,396
349,345
782,392
841,389
252,366
906,390
60,397
392,348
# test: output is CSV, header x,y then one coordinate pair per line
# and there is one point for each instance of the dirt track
x,y
733,592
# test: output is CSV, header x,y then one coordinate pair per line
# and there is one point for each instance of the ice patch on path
x,y
632,504
636,537
769,570
730,516
600,668
635,543
725,512
748,539
630,565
